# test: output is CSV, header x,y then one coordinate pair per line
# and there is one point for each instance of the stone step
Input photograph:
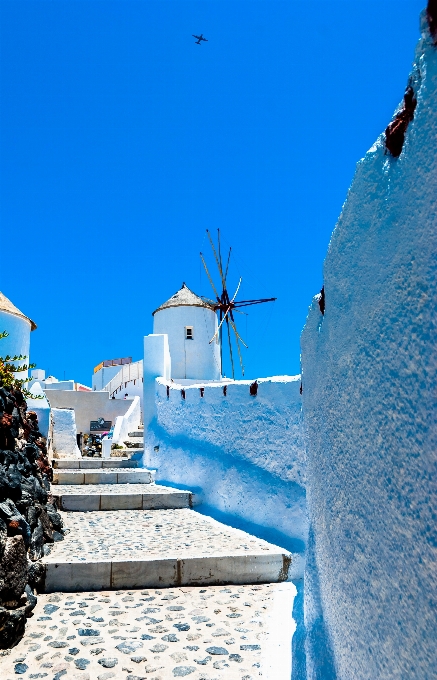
x,y
157,548
93,463
131,444
120,497
103,476
219,632
137,433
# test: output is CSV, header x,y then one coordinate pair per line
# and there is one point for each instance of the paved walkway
x,y
136,593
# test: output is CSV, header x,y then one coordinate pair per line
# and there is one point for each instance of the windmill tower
x,y
190,322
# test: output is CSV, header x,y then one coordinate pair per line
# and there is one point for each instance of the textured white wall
x,y
369,369
18,340
195,358
64,433
242,455
88,406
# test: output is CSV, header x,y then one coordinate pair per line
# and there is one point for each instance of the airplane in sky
x,y
199,38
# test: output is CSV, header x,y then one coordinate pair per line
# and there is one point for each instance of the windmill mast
x,y
227,306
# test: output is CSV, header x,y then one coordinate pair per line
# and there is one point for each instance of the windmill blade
x,y
221,322
220,255
238,335
230,350
246,303
216,258
238,288
209,276
237,338
227,264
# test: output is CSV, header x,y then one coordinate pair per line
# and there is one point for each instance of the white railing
x,y
127,373
127,423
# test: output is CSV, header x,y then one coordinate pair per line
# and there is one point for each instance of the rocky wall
x,y
28,514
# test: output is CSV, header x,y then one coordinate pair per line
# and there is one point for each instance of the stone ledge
x,y
120,497
93,463
108,476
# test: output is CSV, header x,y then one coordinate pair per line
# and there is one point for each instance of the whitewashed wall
x,y
88,406
369,373
242,455
196,358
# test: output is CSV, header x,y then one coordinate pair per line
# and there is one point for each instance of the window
x,y
188,332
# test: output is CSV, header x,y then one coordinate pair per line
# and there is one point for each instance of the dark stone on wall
x,y
29,519
322,300
395,132
431,15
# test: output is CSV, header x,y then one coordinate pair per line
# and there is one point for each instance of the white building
x,y
190,323
18,326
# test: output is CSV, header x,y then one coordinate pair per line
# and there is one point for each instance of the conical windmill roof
x,y
7,306
185,298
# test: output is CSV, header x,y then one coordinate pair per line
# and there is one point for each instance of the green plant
x,y
116,446
8,372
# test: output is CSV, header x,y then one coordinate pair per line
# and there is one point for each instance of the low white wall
x,y
41,408
369,375
156,363
64,434
127,423
242,455
88,406
60,385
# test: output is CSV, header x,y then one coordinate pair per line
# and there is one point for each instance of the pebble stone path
x,y
127,533
214,632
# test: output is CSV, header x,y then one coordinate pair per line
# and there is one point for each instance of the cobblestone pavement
x,y
214,633
131,534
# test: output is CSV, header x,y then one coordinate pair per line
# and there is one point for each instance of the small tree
x,y
8,372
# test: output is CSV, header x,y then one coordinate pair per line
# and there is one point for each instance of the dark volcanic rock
x,y
31,599
29,519
12,623
13,569
36,574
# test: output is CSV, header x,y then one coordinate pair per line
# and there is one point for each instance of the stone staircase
x,y
158,590
128,532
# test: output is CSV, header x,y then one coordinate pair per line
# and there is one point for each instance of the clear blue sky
x,y
122,141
